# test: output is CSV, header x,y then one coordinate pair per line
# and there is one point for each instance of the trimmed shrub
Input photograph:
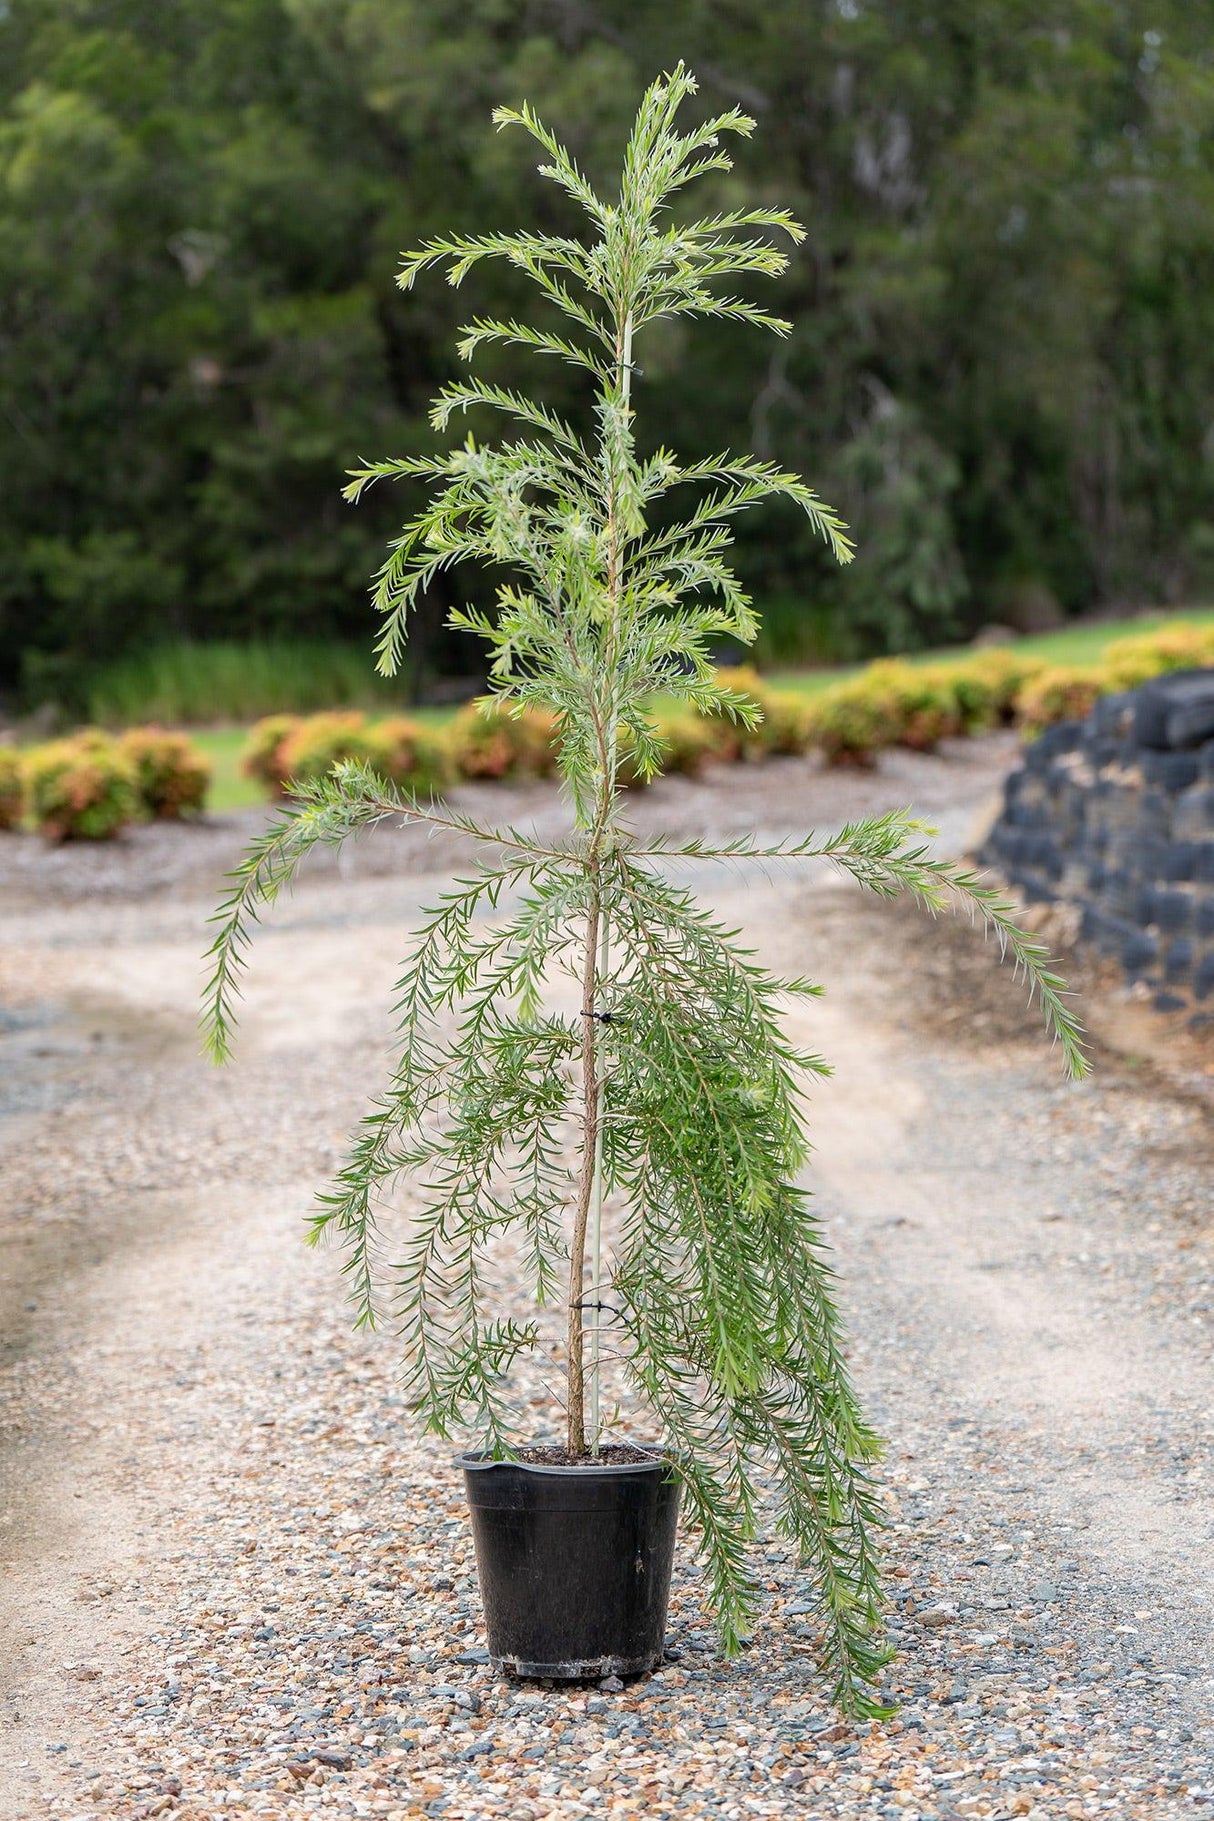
x,y
415,758
985,687
689,740
731,740
1144,655
1061,692
282,747
911,707
261,755
171,775
319,742
488,741
11,792
82,789
847,726
783,729
922,704
786,723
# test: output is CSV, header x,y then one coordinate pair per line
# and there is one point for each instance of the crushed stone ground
x,y
234,1581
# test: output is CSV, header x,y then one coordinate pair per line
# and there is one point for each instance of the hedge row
x,y
485,741
890,703
90,786
896,704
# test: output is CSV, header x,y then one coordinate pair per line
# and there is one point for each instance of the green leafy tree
x,y
672,1079
1010,231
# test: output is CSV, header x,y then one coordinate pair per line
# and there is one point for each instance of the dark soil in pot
x,y
574,1559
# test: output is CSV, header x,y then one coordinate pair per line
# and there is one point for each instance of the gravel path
x,y
235,1582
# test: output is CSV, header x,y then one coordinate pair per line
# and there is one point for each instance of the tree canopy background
x,y
1002,369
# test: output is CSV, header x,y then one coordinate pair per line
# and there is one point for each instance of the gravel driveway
x,y
234,1580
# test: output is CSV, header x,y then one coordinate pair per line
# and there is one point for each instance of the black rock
x,y
1175,711
1172,771
1172,912
1028,815
1105,930
1139,954
1178,960
1042,852
1113,716
1192,723
1180,860
1063,736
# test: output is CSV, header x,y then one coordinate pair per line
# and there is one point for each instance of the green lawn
x,y
230,789
1072,645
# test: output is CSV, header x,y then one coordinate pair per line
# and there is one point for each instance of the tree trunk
x,y
576,1430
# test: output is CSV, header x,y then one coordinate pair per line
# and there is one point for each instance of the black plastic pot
x,y
574,1564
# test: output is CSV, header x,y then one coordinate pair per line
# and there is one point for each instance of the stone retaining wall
x,y
1115,814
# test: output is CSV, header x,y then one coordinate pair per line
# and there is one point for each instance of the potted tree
x,y
667,1092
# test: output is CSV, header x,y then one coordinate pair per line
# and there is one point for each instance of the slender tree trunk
x,y
589,1205
596,1225
576,1432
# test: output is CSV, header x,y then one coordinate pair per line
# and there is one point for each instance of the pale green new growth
x,y
673,1085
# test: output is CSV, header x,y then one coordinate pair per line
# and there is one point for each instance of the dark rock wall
x,y
1115,815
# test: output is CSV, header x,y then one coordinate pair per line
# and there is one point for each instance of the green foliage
x,y
672,1086
1061,693
1131,661
687,742
414,757
11,790
690,741
187,683
732,1332
847,724
262,754
914,707
487,740
83,789
1006,304
895,704
282,749
908,592
398,750
986,685
783,726
171,775
318,742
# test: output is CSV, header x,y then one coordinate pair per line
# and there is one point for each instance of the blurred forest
x,y
1002,368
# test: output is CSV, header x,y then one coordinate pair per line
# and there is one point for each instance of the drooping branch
x,y
883,855
686,1101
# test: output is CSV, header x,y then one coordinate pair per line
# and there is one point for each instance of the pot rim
x,y
479,1462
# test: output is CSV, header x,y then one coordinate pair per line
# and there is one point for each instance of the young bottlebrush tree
x,y
672,1084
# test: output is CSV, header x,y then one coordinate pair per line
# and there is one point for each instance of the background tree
x,y
1011,243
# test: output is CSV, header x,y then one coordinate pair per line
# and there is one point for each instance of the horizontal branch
x,y
876,854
